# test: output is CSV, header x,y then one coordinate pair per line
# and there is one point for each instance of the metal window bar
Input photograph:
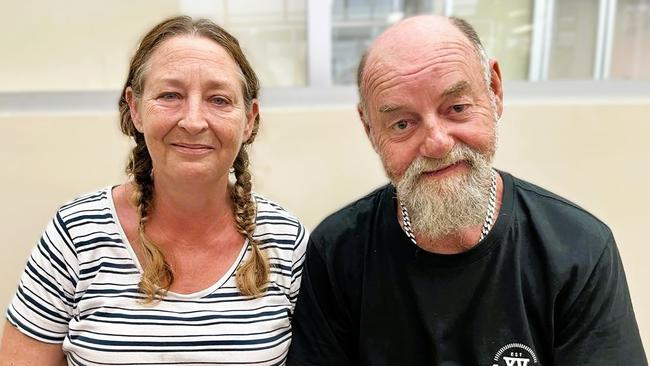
x,y
540,48
319,43
605,39
537,41
449,8
549,24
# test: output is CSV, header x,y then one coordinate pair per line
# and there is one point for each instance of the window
x,y
72,45
74,53
631,50
272,34
574,39
505,28
79,45
355,23
532,39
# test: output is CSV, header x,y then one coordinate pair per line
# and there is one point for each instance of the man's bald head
x,y
416,33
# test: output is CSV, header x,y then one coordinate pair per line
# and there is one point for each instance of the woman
x,y
182,264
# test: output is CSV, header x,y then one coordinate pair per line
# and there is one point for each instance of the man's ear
x,y
364,119
132,101
496,85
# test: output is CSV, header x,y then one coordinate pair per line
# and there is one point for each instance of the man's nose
x,y
194,119
437,141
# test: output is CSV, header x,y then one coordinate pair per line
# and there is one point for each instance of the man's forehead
x,y
413,45
415,34
396,98
437,68
406,59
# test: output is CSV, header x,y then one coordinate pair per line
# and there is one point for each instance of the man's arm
x,y
599,327
322,332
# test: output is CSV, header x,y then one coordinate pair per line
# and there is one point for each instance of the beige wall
x,y
313,160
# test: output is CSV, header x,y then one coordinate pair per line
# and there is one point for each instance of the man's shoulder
x,y
353,220
565,223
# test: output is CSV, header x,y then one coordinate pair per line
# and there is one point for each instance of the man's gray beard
x,y
451,204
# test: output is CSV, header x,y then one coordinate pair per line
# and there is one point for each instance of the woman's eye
x,y
219,100
169,96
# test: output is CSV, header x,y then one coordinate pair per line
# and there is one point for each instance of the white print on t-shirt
x,y
515,354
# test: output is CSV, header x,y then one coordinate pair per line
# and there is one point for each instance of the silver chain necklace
x,y
487,224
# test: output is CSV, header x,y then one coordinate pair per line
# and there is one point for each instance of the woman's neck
x,y
191,211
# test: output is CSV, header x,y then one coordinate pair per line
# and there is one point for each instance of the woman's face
x,y
192,111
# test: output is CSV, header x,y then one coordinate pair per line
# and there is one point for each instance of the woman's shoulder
x,y
272,217
97,200
268,208
281,234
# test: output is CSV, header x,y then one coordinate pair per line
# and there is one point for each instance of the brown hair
x,y
157,276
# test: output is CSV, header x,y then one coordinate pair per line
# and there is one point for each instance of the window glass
x,y
80,45
355,23
573,40
505,28
631,49
73,44
273,36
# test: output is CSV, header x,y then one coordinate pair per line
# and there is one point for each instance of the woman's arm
x,y
18,349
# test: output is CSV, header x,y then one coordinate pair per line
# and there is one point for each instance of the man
x,y
455,263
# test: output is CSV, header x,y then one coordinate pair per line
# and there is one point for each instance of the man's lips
x,y
193,149
444,170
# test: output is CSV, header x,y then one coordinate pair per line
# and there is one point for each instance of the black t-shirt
x,y
545,287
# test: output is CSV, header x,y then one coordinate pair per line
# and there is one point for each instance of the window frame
x,y
320,90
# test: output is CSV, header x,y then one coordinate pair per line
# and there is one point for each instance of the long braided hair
x,y
157,276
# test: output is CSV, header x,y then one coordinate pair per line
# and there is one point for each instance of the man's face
x,y
425,107
431,105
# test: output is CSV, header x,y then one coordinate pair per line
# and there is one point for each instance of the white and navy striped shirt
x,y
80,288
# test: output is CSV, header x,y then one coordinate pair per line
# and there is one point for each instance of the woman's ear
x,y
132,101
251,115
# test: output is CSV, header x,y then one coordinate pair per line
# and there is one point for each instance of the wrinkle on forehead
x,y
412,46
176,50
388,69
175,53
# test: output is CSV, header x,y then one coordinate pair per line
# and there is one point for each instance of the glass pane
x,y
64,45
273,36
68,45
355,23
631,49
573,42
505,28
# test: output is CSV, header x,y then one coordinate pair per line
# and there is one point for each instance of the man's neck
x,y
453,243
459,241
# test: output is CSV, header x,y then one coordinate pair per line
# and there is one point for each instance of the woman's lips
x,y
192,149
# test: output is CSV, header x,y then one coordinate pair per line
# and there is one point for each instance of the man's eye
x,y
458,108
401,125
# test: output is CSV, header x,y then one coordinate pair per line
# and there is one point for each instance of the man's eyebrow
x,y
458,89
387,108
